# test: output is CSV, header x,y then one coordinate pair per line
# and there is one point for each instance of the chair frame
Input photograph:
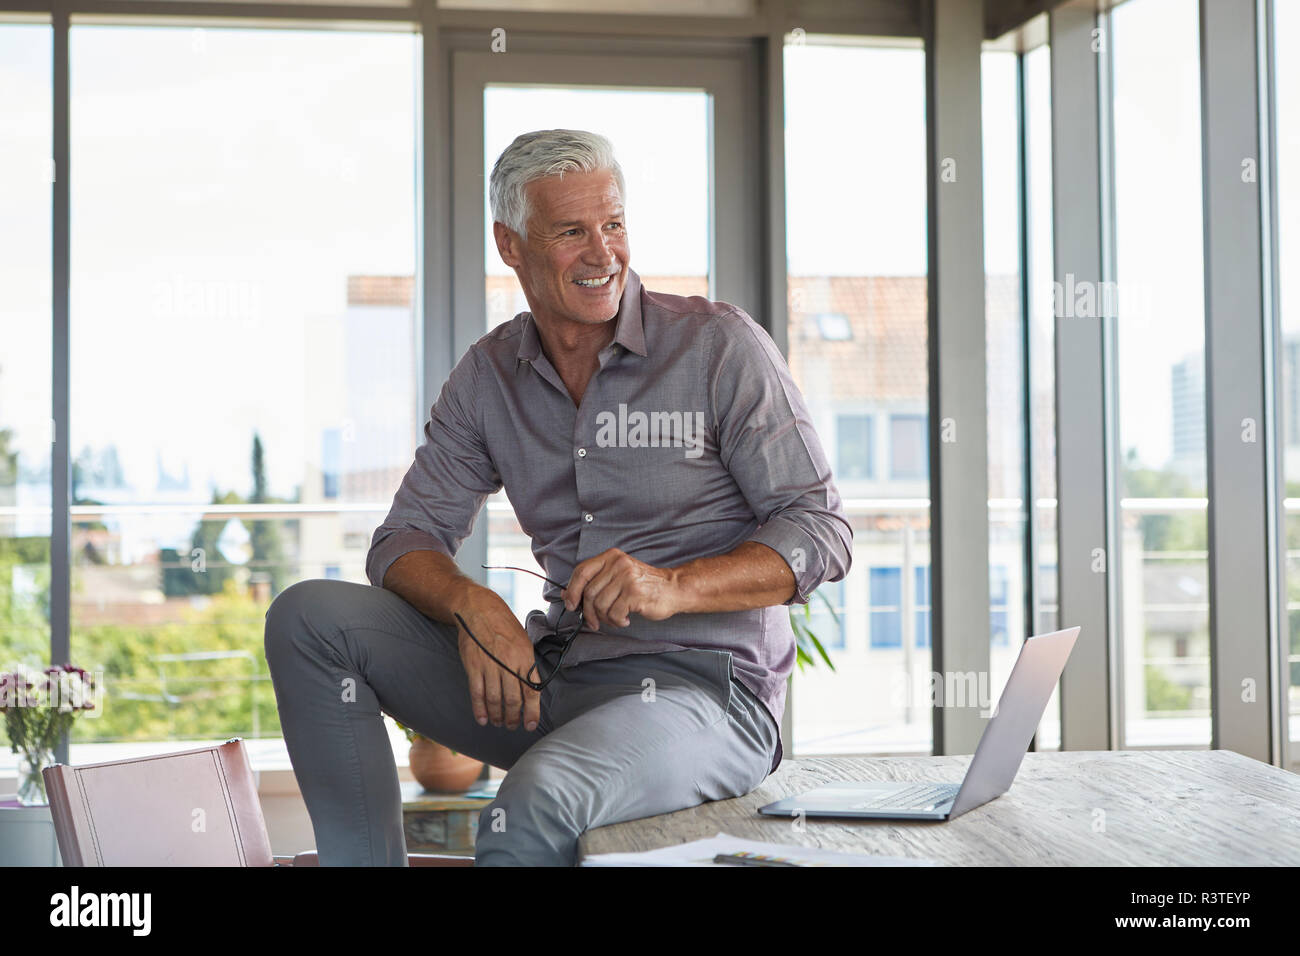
x,y
240,781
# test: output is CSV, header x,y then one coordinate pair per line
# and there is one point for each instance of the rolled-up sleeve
x,y
767,442
441,494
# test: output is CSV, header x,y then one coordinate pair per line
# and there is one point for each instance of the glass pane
x,y
1042,356
243,360
1158,300
667,221
25,330
857,350
1005,366
1286,27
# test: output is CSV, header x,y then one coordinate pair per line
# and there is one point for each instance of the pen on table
x,y
751,859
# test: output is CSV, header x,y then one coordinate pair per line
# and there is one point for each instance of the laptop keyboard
x,y
922,796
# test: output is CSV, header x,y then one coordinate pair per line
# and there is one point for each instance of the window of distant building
x,y
333,572
909,454
834,326
886,609
854,439
999,590
886,606
923,606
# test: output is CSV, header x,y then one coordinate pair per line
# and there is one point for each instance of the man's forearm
x,y
750,576
430,582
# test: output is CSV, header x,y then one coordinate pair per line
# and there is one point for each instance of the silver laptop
x,y
997,758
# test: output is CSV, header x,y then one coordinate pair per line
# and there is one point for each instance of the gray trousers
x,y
617,740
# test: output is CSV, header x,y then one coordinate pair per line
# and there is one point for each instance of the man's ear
x,y
507,240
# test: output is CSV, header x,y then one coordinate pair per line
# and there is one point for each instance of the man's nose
x,y
599,252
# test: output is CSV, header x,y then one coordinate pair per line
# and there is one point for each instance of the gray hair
x,y
542,153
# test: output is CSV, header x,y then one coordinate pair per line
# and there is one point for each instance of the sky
x,y
1158,237
216,215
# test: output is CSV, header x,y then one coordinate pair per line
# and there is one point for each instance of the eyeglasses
x,y
565,635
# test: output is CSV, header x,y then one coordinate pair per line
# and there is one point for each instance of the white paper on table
x,y
701,853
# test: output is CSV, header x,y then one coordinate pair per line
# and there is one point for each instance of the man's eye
x,y
568,231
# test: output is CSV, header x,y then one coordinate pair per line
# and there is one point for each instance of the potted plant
x,y
437,768
36,716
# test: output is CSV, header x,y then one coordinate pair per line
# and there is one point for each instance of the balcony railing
x,y
1190,671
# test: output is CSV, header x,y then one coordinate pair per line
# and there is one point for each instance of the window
x,y
909,453
242,337
25,329
1004,356
1286,29
854,438
1042,358
1158,304
858,321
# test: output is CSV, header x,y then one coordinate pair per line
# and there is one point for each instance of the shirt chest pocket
x,y
654,481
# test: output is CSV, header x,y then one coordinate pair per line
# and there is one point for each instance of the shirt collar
x,y
629,330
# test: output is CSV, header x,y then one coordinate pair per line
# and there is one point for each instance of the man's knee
x,y
535,820
299,609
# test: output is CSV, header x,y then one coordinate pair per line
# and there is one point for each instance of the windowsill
x,y
268,758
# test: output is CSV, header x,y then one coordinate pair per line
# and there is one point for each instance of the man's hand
x,y
613,585
496,694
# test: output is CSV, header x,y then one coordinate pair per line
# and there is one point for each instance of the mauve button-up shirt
x,y
691,438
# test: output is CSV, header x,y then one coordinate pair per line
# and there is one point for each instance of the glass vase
x,y
31,783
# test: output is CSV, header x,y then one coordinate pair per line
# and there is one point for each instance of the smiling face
x,y
576,238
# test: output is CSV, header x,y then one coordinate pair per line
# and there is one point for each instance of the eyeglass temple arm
x,y
498,660
508,567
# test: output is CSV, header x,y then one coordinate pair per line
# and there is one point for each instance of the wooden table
x,y
1077,808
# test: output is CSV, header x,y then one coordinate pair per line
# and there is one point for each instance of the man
x,y
662,461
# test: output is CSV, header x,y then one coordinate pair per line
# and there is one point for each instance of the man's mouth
x,y
596,283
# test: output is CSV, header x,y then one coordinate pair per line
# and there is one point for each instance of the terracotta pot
x,y
436,768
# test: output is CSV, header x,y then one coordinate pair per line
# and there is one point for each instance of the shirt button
x,y
588,517
582,453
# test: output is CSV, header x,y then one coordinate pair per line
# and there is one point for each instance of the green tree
x,y
148,696
264,536
204,569
1163,695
